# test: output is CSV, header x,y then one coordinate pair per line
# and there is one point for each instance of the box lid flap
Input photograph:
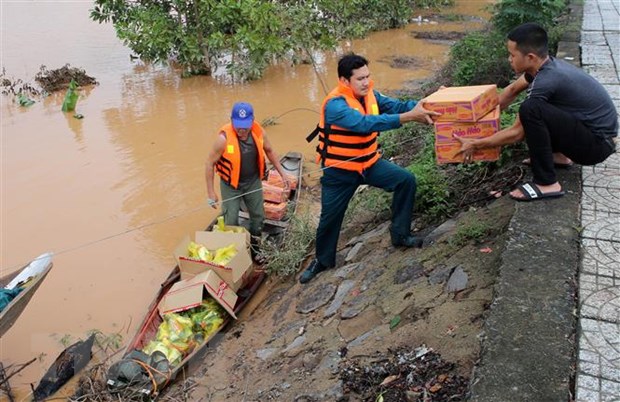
x,y
189,293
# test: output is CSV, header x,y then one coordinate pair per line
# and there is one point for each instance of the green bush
x,y
245,36
392,142
433,193
508,14
371,200
480,58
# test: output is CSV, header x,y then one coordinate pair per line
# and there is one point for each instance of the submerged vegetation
x,y
48,81
245,36
60,78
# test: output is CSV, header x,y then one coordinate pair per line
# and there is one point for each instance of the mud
x,y
452,36
403,62
383,325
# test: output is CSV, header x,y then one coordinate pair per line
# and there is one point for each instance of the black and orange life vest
x,y
342,148
229,164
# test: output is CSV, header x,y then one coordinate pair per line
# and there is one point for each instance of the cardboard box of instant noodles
x,y
447,147
463,103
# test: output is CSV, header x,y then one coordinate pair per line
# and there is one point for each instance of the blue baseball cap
x,y
242,115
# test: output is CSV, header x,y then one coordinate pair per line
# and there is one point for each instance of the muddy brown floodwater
x,y
113,193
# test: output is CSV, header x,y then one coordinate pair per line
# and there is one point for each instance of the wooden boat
x,y
291,162
30,278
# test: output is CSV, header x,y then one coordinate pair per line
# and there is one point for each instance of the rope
x,y
189,211
148,369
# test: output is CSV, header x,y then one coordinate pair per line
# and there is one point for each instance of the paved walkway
x,y
598,365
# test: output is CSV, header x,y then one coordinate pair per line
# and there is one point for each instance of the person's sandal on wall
x,y
531,192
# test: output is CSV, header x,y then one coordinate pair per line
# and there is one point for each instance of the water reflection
x,y
76,126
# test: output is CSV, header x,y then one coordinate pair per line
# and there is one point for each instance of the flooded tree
x,y
244,36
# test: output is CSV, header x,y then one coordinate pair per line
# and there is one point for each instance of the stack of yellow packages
x,y
180,333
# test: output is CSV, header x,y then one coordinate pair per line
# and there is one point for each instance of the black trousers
x,y
549,129
337,189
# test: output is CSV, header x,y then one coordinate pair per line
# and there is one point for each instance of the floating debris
x,y
60,78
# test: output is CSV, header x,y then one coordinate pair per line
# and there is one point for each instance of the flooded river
x,y
112,194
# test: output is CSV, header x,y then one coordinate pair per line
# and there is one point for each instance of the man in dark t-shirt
x,y
567,115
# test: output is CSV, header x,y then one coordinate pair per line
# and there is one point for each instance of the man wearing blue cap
x,y
238,157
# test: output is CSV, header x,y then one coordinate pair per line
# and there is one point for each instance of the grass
x,y
473,230
283,259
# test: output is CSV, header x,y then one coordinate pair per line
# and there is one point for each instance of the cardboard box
x,y
275,212
463,103
446,146
235,229
275,194
235,273
190,293
275,179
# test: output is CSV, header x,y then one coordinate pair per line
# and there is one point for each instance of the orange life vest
x,y
342,148
229,164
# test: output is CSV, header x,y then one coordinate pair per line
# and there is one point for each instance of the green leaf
x,y
71,97
23,100
395,321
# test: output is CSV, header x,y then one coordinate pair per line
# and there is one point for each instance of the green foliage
x,y
24,100
510,13
432,195
433,198
355,18
480,58
394,321
66,340
472,230
372,200
107,342
243,35
71,97
391,142
284,259
432,3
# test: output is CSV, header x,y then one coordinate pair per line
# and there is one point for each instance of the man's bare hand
x,y
212,200
467,148
419,114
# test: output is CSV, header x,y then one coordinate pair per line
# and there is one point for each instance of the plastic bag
x,y
180,328
71,97
223,255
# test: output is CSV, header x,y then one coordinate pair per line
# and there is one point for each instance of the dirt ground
x,y
326,340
